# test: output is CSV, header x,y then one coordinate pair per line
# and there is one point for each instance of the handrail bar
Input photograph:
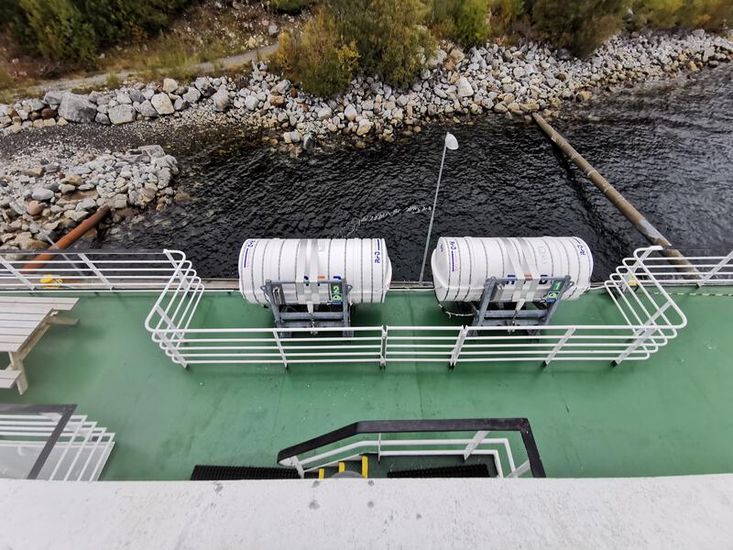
x,y
520,425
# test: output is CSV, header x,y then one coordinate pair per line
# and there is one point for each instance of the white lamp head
x,y
450,141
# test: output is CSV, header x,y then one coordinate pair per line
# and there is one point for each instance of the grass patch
x,y
113,81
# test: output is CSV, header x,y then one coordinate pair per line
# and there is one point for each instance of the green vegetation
x,y
579,25
316,57
382,37
80,29
665,14
464,21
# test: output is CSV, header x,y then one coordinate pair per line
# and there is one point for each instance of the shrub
x,y
472,28
579,25
59,29
505,14
707,14
77,29
317,58
465,21
389,36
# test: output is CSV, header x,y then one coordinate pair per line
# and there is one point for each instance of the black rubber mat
x,y
220,473
464,470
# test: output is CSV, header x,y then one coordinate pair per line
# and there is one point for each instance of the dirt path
x,y
99,80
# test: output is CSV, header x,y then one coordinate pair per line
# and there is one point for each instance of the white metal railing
x,y
700,270
647,320
95,270
79,454
480,444
461,438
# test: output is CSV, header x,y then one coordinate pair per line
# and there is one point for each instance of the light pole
x,y
450,143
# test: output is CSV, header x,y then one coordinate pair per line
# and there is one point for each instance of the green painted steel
x,y
672,414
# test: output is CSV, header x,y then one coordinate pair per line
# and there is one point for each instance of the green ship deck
x,y
663,416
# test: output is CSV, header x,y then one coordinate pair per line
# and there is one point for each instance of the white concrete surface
x,y
676,512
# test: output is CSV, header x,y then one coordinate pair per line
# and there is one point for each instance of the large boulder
x,y
162,104
121,114
77,108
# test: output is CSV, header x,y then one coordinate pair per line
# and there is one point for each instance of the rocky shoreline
x,y
43,199
513,80
45,193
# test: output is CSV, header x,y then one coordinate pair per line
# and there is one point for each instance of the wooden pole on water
x,y
643,225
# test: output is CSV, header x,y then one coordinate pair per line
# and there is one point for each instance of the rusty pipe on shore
x,y
643,225
70,238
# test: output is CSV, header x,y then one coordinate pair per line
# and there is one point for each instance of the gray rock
x,y
162,104
192,95
364,127
123,98
154,151
41,194
146,109
169,85
122,114
77,108
350,113
203,84
86,204
53,99
137,96
36,105
180,104
76,215
251,102
101,118
118,202
324,113
221,99
463,87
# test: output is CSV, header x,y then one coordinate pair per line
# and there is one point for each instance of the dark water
x,y
667,148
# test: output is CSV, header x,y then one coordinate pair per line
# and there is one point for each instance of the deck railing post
x,y
169,345
383,348
93,268
640,339
475,442
17,274
455,354
710,274
280,347
631,273
560,343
